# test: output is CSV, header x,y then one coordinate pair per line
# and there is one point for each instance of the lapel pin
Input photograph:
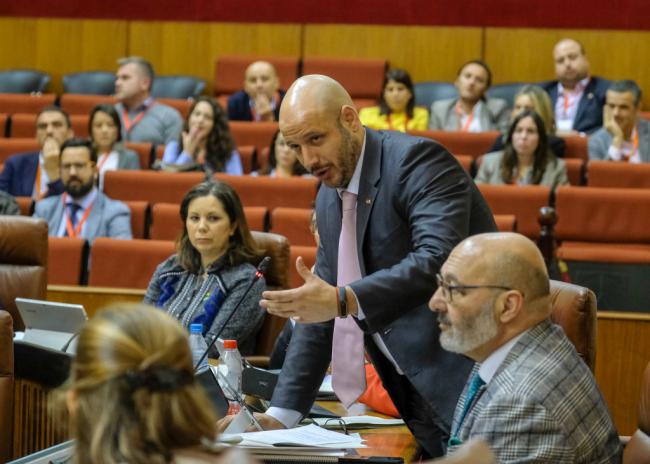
x,y
590,95
368,201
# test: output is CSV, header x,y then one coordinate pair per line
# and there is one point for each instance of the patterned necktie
x,y
348,372
474,387
73,209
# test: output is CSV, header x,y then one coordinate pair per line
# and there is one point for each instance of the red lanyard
x,y
390,123
68,223
37,185
274,103
468,122
635,146
102,161
129,124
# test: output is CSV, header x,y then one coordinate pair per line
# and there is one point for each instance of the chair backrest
x,y
506,91
23,81
637,450
247,154
506,222
272,192
575,170
177,87
26,205
139,218
6,386
465,143
126,263
23,125
428,92
258,134
619,175
574,309
576,147
21,103
465,161
23,262
362,78
4,126
13,146
90,83
182,105
293,223
593,214
308,254
150,186
522,201
229,72
83,104
67,260
145,152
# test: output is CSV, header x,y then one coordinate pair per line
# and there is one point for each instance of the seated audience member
x,y
8,204
105,132
82,210
525,159
625,136
212,268
132,397
261,97
532,97
530,396
205,141
396,109
282,160
472,111
37,175
143,118
578,98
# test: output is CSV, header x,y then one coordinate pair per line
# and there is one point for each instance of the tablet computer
x,y
50,324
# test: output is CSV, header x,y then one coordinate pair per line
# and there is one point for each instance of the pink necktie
x,y
348,371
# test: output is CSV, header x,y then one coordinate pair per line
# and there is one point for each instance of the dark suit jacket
x,y
415,204
239,108
589,117
19,175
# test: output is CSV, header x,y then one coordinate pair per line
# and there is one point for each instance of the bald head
x,y
261,79
315,93
571,65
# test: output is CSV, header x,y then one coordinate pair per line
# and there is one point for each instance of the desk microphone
x,y
259,273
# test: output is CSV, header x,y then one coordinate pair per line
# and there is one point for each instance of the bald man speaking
x,y
391,209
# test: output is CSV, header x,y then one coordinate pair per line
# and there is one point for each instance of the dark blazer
x,y
19,174
239,108
415,204
589,117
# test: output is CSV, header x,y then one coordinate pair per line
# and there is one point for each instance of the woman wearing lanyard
x,y
106,134
396,106
205,142
526,159
472,111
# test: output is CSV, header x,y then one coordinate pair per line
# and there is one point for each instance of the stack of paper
x,y
357,422
311,436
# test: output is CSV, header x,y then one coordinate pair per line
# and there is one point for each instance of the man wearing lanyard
x,y
36,175
391,208
578,98
83,211
260,100
530,396
625,136
143,118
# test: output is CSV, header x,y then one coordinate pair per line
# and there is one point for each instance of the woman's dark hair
x,y
109,110
542,155
219,145
402,77
298,169
242,247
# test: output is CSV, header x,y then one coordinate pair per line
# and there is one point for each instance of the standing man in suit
x,y
391,209
625,136
530,396
261,97
36,175
577,97
82,210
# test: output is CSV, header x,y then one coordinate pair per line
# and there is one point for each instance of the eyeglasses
x,y
448,290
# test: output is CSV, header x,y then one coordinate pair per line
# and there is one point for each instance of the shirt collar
x,y
580,86
353,185
491,364
84,201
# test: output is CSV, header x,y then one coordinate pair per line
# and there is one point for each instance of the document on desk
x,y
358,422
309,435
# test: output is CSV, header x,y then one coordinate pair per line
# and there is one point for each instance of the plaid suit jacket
x,y
542,406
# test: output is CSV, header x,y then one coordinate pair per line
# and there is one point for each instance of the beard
x,y
471,332
80,189
348,155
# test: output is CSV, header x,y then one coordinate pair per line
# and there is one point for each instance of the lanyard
x,y
38,194
102,161
68,223
468,122
128,123
635,147
390,122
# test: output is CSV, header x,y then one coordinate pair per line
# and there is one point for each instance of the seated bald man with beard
x,y
530,396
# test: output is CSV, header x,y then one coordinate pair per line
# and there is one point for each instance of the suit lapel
x,y
94,217
587,98
370,175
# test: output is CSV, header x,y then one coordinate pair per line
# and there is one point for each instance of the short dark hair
x,y
627,85
542,154
55,109
403,77
242,247
143,64
79,142
111,112
482,64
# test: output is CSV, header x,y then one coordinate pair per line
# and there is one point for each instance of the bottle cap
x,y
196,328
230,344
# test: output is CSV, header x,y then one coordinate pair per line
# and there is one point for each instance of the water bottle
x,y
198,347
233,362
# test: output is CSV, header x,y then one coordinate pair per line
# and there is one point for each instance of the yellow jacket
x,y
395,121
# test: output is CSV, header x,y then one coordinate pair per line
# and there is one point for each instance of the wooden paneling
x,y
526,54
428,53
623,351
61,46
192,48
93,298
